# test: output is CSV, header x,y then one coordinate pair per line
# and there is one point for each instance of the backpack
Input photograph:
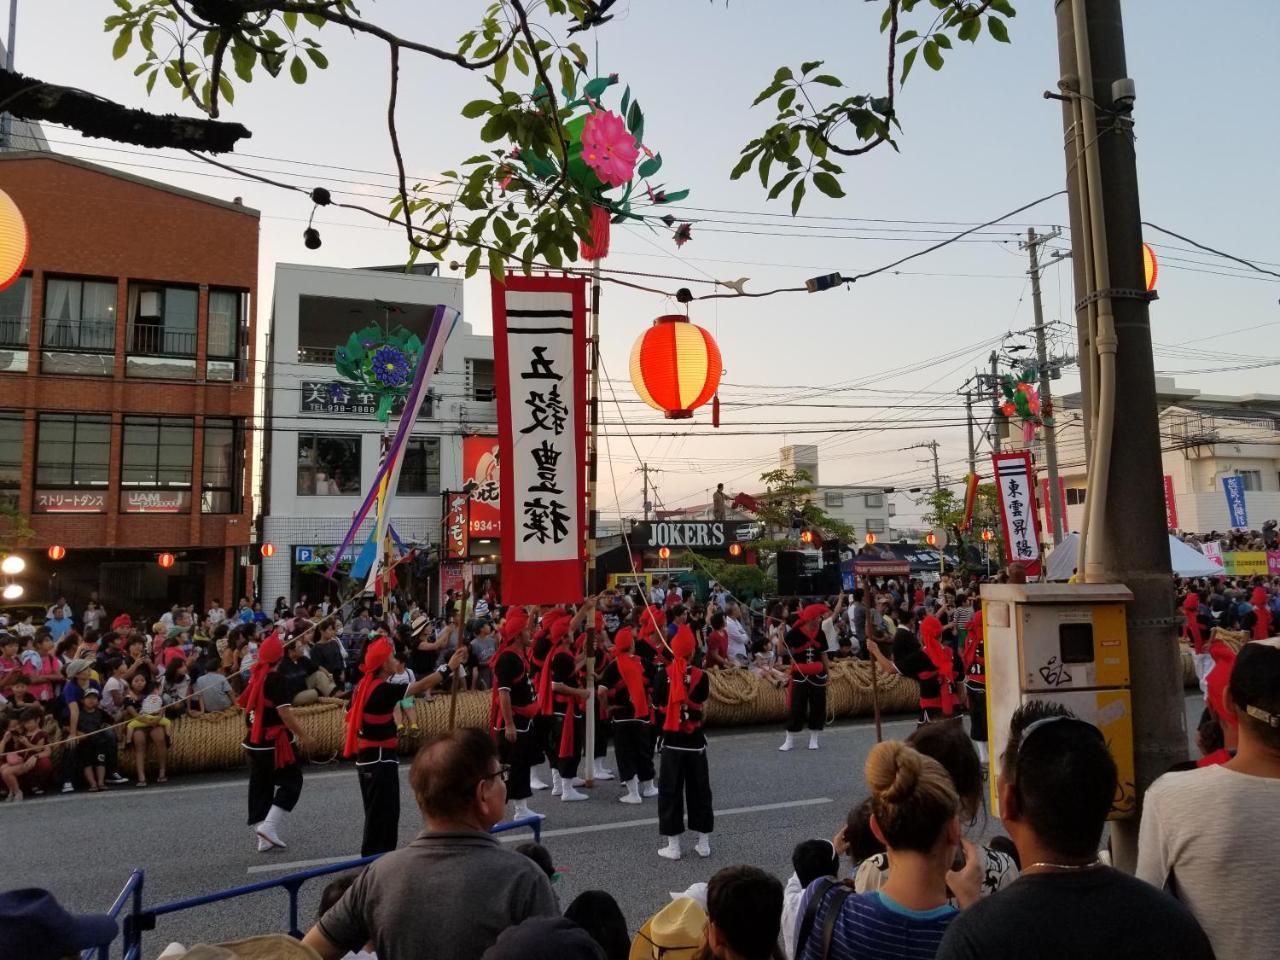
x,y
673,933
821,895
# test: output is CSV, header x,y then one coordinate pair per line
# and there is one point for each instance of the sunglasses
x,y
503,771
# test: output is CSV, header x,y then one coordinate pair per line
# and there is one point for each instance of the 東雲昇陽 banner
x,y
1016,490
540,368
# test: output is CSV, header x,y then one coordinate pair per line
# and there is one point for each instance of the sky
x,y
979,140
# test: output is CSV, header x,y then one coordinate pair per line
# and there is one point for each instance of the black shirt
x,y
563,670
275,693
1101,914
328,654
511,673
294,675
698,693
380,703
805,651
620,707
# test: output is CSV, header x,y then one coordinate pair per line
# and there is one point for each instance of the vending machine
x,y
1065,642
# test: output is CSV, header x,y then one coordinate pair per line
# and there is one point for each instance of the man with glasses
x,y
1056,784
453,890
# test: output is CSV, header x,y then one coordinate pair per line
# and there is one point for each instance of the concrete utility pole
x,y
932,446
1128,542
998,418
1032,246
645,469
968,411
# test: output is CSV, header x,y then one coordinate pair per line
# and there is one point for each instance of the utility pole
x,y
932,446
1032,246
645,469
998,418
973,451
1127,539
6,119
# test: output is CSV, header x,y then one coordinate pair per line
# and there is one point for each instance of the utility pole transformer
x,y
1128,540
1056,514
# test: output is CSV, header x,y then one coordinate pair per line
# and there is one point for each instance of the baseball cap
x,y
35,926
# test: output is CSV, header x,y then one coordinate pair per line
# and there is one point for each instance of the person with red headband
x,y
544,722
371,738
974,659
1261,613
559,697
600,758
683,689
807,684
624,685
275,779
514,710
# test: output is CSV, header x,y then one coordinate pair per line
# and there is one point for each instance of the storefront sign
x,y
1170,503
480,465
695,534
539,346
1016,491
320,554
450,579
1245,563
341,399
457,541
155,501
1273,563
70,501
1233,487
1212,553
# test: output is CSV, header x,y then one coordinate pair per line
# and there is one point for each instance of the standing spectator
x,y
244,613
1197,856
216,614
91,751
858,623
1056,785
719,503
78,679
92,616
62,605
59,623
739,638
454,886
327,652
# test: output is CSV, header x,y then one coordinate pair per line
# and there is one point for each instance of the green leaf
x,y
828,185
151,81
907,61
998,29
810,65
782,75
485,49
635,119
477,108
502,232
782,184
298,70
796,197
931,55
497,265
142,68
318,58
788,97
970,30
171,74
225,88
125,5
519,59
494,129
290,21
500,69
766,93
651,166
121,46
1005,7
315,20
766,161
907,35
567,76
828,80
743,165
551,251
473,262
942,40
147,34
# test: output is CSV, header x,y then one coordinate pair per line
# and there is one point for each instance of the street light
x,y
13,591
12,565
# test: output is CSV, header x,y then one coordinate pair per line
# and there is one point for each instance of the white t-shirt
x,y
113,692
217,615
1211,835
832,634
738,640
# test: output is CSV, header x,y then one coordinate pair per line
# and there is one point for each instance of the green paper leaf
x,y
594,88
651,166
677,196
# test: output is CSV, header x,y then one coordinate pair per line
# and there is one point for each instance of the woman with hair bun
x,y
915,813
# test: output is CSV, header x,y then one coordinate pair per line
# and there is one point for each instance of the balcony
x,y
85,347
161,352
14,334
321,355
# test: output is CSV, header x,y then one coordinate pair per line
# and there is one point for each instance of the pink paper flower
x,y
608,148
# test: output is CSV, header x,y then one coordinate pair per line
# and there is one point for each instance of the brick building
x,y
127,385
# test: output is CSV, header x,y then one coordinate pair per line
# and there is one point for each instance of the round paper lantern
x,y
931,540
675,366
870,538
988,536
735,549
57,552
268,549
15,242
1150,266
665,553
165,560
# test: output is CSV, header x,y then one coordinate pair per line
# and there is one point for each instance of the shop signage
x,y
693,534
155,501
321,554
1245,563
1233,488
1170,503
70,501
342,399
480,466
457,542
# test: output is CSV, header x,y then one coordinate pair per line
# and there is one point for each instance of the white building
x,y
323,439
865,509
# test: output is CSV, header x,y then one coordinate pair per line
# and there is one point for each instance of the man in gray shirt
x,y
453,890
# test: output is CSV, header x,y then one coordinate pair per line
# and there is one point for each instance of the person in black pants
x,y
514,709
625,685
807,686
275,779
685,776
371,738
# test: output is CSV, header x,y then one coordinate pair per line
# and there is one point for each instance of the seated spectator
x,y
1056,784
744,914
599,914
331,894
213,690
947,742
810,860
1203,829
145,709
545,938
541,856
35,927
453,887
294,670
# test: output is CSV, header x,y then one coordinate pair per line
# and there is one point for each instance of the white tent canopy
x,y
1186,561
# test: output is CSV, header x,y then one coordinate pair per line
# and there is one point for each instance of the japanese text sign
x,y
480,466
1170,503
1233,487
539,346
1016,490
457,541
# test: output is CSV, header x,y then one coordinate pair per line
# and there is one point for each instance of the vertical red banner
x,y
481,466
1170,503
970,498
457,539
1047,504
1015,486
540,380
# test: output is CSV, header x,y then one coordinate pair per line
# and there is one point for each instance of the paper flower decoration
x,y
683,234
609,148
1022,399
381,362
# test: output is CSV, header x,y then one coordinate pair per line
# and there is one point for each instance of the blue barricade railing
x,y
139,920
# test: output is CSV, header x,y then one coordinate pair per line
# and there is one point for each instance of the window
x,y
162,320
223,465
328,465
1252,479
155,465
833,498
480,377
1075,496
325,323
15,314
420,471
875,501
80,315
11,428
875,526
226,347
72,453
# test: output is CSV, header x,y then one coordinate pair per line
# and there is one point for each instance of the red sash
x,y
284,754
365,744
496,722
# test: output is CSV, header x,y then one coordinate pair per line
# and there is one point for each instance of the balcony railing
x,y
323,355
155,340
80,336
14,332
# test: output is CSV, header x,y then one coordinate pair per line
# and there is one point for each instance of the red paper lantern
x,y
870,538
735,549
165,560
931,540
675,366
665,553
806,536
15,241
1150,266
57,552
598,247
988,536
268,549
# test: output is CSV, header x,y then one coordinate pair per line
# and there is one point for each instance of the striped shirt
x,y
871,926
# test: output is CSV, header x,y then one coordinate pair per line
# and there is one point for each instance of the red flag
x,y
970,498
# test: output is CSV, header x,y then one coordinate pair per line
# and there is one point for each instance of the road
x,y
190,836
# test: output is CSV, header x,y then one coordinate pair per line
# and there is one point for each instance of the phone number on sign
x,y
485,526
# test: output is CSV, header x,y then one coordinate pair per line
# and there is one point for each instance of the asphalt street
x,y
190,836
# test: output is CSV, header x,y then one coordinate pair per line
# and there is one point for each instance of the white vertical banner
x,y
1016,489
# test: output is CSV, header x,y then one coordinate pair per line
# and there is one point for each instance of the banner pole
x,y
593,447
